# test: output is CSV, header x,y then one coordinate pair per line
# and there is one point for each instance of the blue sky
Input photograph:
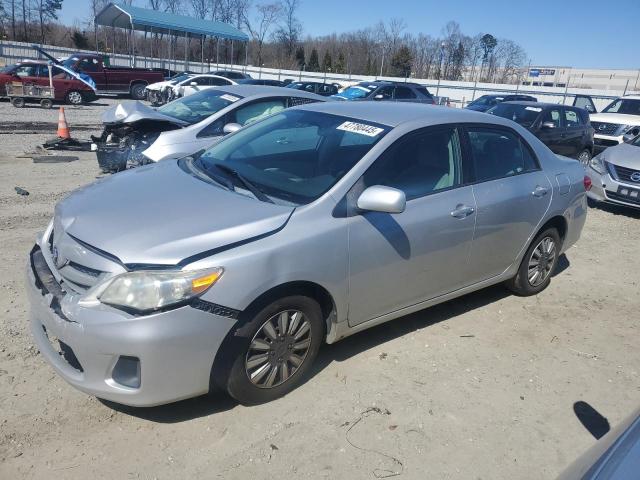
x,y
587,33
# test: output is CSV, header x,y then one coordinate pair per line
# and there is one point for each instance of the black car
x,y
324,89
564,129
485,102
231,74
255,81
390,91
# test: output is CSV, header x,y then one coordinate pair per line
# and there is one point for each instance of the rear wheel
x,y
279,346
73,97
137,91
17,102
584,157
538,264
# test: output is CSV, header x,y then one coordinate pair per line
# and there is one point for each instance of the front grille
x,y
624,174
605,142
75,276
604,128
623,198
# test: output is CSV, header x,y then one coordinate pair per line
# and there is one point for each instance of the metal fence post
x,y
625,88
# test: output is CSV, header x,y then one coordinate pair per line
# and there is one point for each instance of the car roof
x,y
537,104
245,90
393,114
632,97
381,83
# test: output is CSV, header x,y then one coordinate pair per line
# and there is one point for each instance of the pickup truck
x,y
114,80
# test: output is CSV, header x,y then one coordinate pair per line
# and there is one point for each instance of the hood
x,y
158,85
619,118
625,155
160,214
132,112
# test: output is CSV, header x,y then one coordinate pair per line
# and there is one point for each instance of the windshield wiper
x,y
225,182
247,184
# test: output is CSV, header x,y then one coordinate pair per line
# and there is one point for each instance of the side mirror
x,y
379,198
548,125
231,127
379,97
193,84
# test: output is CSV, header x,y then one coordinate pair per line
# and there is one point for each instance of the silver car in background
x,y
232,267
616,175
136,134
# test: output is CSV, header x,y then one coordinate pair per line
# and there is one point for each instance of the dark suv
x,y
319,88
390,91
565,130
485,102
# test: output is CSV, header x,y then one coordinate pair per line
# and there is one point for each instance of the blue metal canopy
x,y
135,18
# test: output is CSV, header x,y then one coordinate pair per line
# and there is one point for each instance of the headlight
x,y
150,290
597,163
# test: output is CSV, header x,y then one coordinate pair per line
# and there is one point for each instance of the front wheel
x,y
138,91
584,157
279,346
73,97
538,264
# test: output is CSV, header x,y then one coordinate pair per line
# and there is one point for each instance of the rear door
x,y
512,195
553,135
575,131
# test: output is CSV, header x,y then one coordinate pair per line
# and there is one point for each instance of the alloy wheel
x,y
541,261
278,349
75,98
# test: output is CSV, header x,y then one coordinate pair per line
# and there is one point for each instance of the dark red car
x,y
34,72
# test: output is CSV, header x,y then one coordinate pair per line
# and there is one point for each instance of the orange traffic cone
x,y
63,128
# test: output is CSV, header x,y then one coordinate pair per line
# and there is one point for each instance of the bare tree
x,y
291,29
262,22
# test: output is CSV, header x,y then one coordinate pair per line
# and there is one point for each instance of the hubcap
x,y
541,261
278,349
75,98
584,158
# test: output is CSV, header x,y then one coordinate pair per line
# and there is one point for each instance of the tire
x,y
17,102
74,97
46,103
137,91
266,365
526,283
584,157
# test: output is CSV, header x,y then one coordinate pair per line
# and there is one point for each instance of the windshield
x,y
356,92
627,106
179,78
195,108
295,156
486,100
521,114
636,141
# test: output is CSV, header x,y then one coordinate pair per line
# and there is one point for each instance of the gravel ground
x,y
482,387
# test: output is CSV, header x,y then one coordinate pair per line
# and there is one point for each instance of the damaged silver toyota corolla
x,y
232,268
135,134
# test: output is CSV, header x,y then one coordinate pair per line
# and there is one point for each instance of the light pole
x,y
442,45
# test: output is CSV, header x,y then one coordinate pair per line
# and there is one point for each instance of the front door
x,y
512,195
399,260
575,131
552,132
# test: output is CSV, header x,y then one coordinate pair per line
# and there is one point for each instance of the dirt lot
x,y
479,388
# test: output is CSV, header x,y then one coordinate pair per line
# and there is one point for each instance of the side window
x,y
199,81
89,65
498,154
386,92
59,74
255,111
218,81
419,164
572,119
552,116
310,87
403,93
26,71
584,101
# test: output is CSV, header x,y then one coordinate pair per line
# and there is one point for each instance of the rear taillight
x,y
587,182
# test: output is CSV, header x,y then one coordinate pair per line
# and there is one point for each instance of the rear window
x,y
525,115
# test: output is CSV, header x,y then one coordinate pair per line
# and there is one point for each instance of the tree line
x,y
278,41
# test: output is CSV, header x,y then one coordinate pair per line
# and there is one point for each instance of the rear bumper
x,y
175,349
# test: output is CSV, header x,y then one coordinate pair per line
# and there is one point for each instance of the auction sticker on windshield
x,y
533,109
229,98
361,128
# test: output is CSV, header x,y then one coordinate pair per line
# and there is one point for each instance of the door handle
x,y
462,211
540,191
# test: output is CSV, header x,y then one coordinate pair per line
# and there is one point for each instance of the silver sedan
x,y
234,266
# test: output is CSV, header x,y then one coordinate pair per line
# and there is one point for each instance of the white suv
x,y
617,122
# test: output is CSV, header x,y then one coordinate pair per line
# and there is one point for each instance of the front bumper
x,y
175,348
602,142
604,188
